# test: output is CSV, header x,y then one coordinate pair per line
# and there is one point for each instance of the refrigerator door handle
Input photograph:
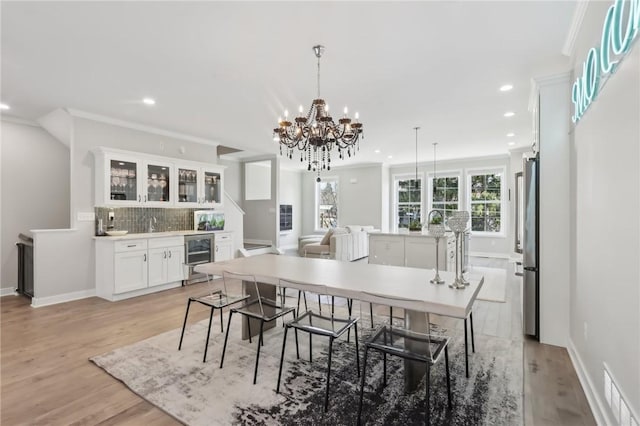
x,y
530,268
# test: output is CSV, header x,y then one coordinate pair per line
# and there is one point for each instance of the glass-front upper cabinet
x,y
212,187
188,185
123,181
158,183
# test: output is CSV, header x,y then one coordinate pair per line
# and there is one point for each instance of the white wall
x,y
290,192
359,196
262,217
605,177
478,245
35,189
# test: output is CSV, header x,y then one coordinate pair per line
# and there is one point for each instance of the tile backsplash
x,y
137,220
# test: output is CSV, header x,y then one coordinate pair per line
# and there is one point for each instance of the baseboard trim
x,y
38,302
489,254
8,291
598,407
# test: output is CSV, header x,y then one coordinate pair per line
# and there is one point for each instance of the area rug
x,y
197,393
494,288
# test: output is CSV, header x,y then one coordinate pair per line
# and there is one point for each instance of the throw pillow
x,y
326,238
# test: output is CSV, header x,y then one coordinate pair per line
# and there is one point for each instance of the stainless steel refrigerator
x,y
531,247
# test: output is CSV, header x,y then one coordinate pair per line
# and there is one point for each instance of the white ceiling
x,y
225,71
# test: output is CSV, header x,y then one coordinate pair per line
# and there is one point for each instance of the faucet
x,y
152,221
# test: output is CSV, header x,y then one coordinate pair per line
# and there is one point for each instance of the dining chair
x,y
426,348
259,308
317,324
215,299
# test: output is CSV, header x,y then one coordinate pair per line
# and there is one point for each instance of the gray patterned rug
x,y
197,393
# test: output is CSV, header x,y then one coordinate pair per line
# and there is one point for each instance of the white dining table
x,y
397,286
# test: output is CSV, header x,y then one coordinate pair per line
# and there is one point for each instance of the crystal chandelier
x,y
316,135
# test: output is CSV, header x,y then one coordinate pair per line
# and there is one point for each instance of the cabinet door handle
x,y
139,198
145,257
145,198
165,254
216,249
131,245
169,254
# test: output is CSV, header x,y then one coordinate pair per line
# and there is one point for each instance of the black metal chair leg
x,y
295,330
446,364
355,331
310,347
298,305
326,394
371,313
333,305
473,343
364,375
226,337
427,414
249,328
184,324
221,319
391,316
466,349
384,363
255,372
284,343
206,343
349,305
319,305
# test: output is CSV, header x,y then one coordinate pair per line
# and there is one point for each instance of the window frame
x,y
498,170
396,203
446,174
316,214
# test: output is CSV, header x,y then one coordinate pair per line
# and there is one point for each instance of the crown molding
x,y
16,120
568,49
447,161
140,127
547,80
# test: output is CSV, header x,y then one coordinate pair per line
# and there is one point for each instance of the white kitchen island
x,y
402,287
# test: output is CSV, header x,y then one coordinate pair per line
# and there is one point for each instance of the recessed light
x,y
512,143
510,135
149,101
506,87
509,114
377,151
4,106
390,156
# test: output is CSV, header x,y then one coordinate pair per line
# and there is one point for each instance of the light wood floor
x,y
46,378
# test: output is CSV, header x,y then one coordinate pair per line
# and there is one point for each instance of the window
x,y
286,217
327,203
408,206
445,194
486,202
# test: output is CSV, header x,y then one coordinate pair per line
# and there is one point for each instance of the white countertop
x,y
416,234
155,235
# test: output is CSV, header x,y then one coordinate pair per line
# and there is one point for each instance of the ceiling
x,y
225,71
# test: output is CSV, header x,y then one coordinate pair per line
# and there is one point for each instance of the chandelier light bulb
x,y
346,111
357,116
300,110
326,108
286,113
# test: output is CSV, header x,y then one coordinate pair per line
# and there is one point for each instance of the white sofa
x,y
346,243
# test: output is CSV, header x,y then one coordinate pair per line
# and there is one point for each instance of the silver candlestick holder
x,y
458,224
464,217
436,230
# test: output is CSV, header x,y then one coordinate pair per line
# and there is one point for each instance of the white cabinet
x,y
199,186
418,251
166,256
133,267
421,253
223,247
124,178
386,250
130,265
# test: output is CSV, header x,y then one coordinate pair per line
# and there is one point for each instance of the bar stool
x,y
313,323
216,299
401,342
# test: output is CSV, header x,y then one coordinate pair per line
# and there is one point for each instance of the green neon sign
x,y
620,29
